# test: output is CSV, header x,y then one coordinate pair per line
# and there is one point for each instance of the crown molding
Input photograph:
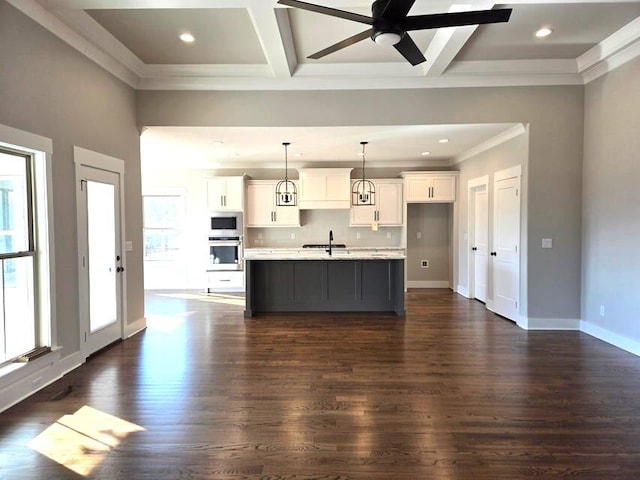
x,y
613,51
508,134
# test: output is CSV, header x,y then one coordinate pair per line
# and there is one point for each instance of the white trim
x,y
474,183
536,68
19,139
620,341
464,291
31,377
478,182
548,323
507,173
131,329
502,137
82,156
613,51
428,284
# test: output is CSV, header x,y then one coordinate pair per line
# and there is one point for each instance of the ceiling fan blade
x,y
397,8
410,50
456,19
344,43
355,17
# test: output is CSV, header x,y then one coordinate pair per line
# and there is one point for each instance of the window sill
x,y
17,371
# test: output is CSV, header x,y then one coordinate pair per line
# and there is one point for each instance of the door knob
x,y
120,269
474,248
494,254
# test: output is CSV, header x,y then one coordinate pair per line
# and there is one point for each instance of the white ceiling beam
x,y
274,34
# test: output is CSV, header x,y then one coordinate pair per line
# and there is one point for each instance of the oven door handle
x,y
230,243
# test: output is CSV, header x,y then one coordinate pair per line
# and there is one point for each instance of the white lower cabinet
x,y
262,210
387,211
225,281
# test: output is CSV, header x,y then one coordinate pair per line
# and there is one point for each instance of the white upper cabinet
x,y
430,186
262,210
387,211
324,188
225,193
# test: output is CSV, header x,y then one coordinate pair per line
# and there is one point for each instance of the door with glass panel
x,y
101,263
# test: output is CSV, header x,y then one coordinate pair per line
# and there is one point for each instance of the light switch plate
x,y
128,246
547,243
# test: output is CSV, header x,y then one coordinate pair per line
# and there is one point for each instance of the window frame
x,y
38,152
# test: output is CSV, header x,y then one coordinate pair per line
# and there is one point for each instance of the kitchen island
x,y
300,280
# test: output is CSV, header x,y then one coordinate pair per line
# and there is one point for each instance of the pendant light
x,y
363,191
286,193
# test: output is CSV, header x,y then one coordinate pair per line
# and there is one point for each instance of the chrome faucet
x,y
330,240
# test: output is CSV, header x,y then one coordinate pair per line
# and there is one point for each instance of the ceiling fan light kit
x,y
390,24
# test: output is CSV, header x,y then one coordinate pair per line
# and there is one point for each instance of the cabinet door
x,y
260,200
215,193
418,189
363,215
233,194
443,188
389,200
288,216
313,186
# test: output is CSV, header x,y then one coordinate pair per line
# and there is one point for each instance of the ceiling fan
x,y
390,24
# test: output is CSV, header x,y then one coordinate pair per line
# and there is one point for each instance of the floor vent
x,y
33,354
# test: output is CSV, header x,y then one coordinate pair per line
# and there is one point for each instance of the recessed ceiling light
x,y
544,32
443,140
425,153
234,154
297,154
217,142
187,38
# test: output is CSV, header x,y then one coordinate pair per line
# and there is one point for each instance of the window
x,y
162,227
18,328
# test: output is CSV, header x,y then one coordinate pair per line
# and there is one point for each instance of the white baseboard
x,y
549,323
428,284
27,379
464,291
136,327
620,341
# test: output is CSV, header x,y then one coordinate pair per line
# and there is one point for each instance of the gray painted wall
x,y
433,221
554,114
611,212
50,89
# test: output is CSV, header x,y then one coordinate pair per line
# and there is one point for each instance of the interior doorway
x,y
478,237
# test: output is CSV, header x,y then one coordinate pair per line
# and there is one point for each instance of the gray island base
x,y
336,285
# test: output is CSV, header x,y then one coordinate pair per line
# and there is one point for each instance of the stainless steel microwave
x,y
225,224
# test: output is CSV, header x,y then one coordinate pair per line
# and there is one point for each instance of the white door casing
x,y
101,263
480,243
505,255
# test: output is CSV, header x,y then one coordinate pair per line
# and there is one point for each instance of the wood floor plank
x,y
452,391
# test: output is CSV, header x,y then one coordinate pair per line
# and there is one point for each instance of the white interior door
x,y
101,264
506,245
480,242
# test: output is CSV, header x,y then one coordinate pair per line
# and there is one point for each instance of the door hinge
x,y
516,304
517,192
82,183
83,264
85,336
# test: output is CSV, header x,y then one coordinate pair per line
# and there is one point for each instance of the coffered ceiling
x,y
259,44
262,45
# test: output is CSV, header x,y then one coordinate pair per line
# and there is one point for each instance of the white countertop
x,y
349,253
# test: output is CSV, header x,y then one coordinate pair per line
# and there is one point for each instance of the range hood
x,y
324,188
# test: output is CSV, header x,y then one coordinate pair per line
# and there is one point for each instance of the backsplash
x,y
315,229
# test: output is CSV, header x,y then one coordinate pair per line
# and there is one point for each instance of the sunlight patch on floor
x,y
164,323
81,441
227,299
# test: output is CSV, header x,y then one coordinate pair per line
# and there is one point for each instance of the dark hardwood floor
x,y
450,392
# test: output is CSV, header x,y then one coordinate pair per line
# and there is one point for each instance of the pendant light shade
x,y
286,192
363,191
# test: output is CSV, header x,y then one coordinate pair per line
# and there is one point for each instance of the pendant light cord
x,y
286,164
363,144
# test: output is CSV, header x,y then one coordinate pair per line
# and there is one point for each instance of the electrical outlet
x,y
293,236
419,235
602,310
357,235
388,234
424,263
